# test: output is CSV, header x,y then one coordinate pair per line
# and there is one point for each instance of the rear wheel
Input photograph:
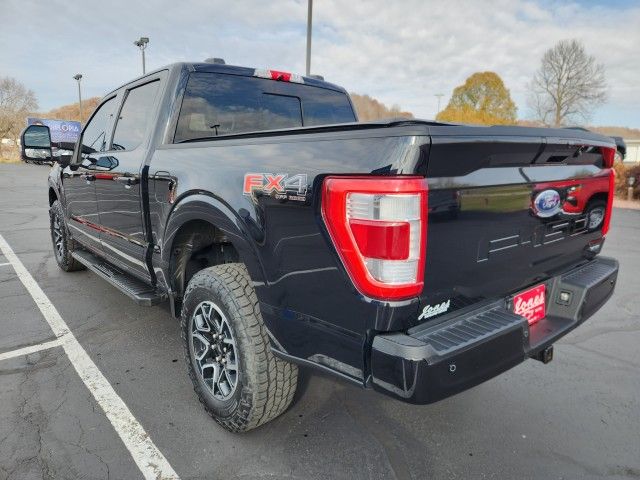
x,y
63,244
236,376
596,210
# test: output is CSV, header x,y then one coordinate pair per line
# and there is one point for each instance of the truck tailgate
x,y
507,212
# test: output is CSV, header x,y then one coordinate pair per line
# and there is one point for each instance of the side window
x,y
94,136
135,117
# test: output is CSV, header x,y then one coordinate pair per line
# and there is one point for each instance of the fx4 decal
x,y
281,185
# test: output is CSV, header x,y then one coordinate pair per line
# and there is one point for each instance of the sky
x,y
400,52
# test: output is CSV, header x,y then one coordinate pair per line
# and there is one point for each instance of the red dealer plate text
x,y
531,304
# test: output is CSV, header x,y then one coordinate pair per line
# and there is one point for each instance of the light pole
x,y
309,15
142,44
78,77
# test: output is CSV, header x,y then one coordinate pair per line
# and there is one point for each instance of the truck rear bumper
x,y
434,361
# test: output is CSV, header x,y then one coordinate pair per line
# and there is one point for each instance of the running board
x,y
137,290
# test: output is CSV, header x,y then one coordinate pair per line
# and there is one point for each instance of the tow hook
x,y
545,355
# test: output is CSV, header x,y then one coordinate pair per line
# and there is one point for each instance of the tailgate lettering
x,y
546,234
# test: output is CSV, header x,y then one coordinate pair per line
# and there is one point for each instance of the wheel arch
x,y
598,196
203,225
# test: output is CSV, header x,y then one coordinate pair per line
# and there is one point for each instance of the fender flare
x,y
54,185
206,207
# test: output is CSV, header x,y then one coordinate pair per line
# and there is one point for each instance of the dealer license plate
x,y
531,304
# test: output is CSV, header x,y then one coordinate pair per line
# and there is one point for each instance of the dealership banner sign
x,y
61,130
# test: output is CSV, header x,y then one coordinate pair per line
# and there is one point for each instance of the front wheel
x,y
236,376
63,244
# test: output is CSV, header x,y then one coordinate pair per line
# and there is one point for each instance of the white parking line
x,y
149,459
3,264
30,349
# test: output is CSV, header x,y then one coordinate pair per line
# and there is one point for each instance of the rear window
x,y
218,104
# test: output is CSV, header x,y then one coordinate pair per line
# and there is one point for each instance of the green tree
x,y
482,99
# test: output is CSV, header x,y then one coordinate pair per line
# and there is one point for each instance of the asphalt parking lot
x,y
578,417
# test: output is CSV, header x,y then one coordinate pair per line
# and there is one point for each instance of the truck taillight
x,y
379,227
608,156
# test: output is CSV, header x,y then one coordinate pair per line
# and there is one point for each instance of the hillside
x,y
371,109
368,109
624,132
72,111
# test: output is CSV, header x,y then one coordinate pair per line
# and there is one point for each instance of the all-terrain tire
x,y
63,244
265,383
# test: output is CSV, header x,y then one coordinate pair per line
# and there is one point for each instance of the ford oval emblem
x,y
547,203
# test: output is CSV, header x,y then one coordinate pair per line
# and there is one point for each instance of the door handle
x,y
89,177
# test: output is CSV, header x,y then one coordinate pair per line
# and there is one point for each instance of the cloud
x,y
400,52
405,52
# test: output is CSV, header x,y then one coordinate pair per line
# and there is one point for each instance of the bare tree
x,y
16,102
568,85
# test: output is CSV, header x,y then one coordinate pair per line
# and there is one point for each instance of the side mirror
x,y
106,163
35,143
36,146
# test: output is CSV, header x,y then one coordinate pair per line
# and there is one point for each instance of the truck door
x,y
118,186
79,179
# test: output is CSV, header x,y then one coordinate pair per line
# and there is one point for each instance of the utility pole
x,y
78,77
439,96
309,15
142,44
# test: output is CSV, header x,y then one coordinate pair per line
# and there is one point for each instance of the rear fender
x,y
204,207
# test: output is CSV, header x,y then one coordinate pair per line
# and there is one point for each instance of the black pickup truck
x,y
412,257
